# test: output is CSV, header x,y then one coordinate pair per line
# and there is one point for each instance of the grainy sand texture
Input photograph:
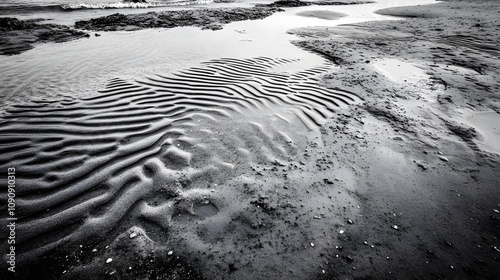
x,y
366,150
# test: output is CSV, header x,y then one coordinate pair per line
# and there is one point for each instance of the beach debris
x,y
109,260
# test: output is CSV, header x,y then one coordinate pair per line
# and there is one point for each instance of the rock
x,y
444,159
109,260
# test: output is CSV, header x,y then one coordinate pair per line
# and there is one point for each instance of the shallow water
x,y
81,67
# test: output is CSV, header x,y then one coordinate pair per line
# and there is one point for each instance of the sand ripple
x,y
163,151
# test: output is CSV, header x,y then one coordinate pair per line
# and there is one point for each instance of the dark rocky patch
x,y
17,36
299,3
205,18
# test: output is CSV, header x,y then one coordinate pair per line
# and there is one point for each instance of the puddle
x,y
399,71
487,126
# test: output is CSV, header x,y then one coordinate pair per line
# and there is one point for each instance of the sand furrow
x,y
92,161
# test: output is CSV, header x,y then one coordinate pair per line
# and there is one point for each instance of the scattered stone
x,y
328,181
398,138
170,253
109,260
133,234
312,244
341,231
349,221
395,227
496,211
444,159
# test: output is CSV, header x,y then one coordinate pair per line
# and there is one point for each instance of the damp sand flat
x,y
220,157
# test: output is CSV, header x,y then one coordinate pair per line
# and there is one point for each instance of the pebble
x,y
398,138
109,260
444,159
350,222
341,231
312,244
133,234
359,136
170,253
395,227
496,211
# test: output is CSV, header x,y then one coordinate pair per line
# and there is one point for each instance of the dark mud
x,y
17,36
212,19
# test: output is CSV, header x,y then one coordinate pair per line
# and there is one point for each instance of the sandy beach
x,y
238,140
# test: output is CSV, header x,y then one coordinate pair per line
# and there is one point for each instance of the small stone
x,y
133,234
109,260
341,231
94,250
398,138
312,244
328,181
316,217
395,227
444,159
350,222
359,136
170,253
365,243
496,211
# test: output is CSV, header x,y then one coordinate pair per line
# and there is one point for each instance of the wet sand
x,y
383,165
